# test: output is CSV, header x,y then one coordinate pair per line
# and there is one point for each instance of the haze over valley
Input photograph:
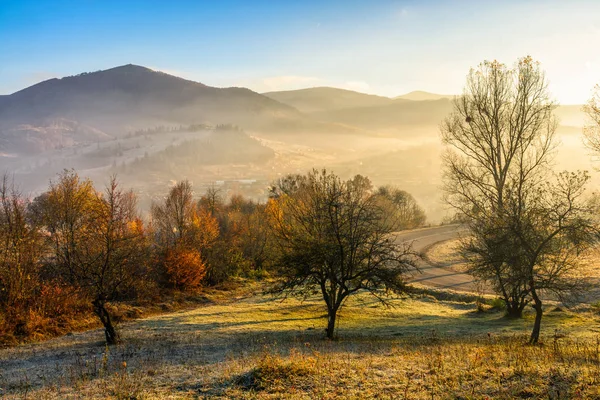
x,y
152,128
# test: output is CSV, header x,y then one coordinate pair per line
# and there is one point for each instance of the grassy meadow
x,y
246,344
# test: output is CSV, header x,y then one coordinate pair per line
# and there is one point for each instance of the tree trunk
x,y
514,309
535,333
331,316
112,337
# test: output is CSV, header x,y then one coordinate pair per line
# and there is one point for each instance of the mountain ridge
x,y
113,102
326,98
420,95
120,99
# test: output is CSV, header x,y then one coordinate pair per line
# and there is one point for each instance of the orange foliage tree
x,y
184,267
183,232
98,241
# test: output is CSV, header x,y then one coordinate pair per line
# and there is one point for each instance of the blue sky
x,y
386,47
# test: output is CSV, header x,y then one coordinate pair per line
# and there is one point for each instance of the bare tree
x,y
212,200
500,140
493,255
592,128
335,238
551,226
173,218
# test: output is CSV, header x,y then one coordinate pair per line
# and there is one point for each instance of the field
x,y
250,345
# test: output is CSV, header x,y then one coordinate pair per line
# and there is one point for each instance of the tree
x,y
212,200
185,267
20,250
335,238
98,241
410,215
183,232
493,255
64,212
115,252
172,219
592,129
228,257
551,226
256,239
500,139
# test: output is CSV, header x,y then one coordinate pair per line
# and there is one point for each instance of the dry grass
x,y
77,315
446,254
590,265
257,347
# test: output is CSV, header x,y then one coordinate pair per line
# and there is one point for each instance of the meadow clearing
x,y
247,344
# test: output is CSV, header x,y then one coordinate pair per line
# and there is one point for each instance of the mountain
x,y
112,102
326,99
419,95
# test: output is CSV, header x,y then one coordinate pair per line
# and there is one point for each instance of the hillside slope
x,y
397,114
327,99
419,95
115,101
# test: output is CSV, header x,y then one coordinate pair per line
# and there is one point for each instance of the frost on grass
x,y
258,347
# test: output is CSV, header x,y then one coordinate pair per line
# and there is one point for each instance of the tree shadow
x,y
205,337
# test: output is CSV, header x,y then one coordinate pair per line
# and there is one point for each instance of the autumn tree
x,y
64,212
115,252
98,240
184,233
334,238
185,267
20,251
256,239
247,230
499,141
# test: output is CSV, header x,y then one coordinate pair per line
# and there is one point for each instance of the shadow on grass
x,y
213,334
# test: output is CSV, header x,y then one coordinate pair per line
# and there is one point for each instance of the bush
x,y
498,304
185,268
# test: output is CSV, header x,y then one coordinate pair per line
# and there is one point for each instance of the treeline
x,y
75,249
160,129
228,147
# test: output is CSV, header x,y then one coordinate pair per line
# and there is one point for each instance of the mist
x,y
152,129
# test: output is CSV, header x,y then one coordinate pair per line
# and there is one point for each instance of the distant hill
x,y
326,99
418,95
418,109
367,112
99,106
391,117
118,100
221,147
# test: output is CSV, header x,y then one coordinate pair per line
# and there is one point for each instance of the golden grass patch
x,y
259,347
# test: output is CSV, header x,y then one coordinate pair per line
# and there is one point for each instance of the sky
x,y
384,47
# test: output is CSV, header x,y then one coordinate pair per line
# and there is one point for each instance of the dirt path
x,y
434,275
